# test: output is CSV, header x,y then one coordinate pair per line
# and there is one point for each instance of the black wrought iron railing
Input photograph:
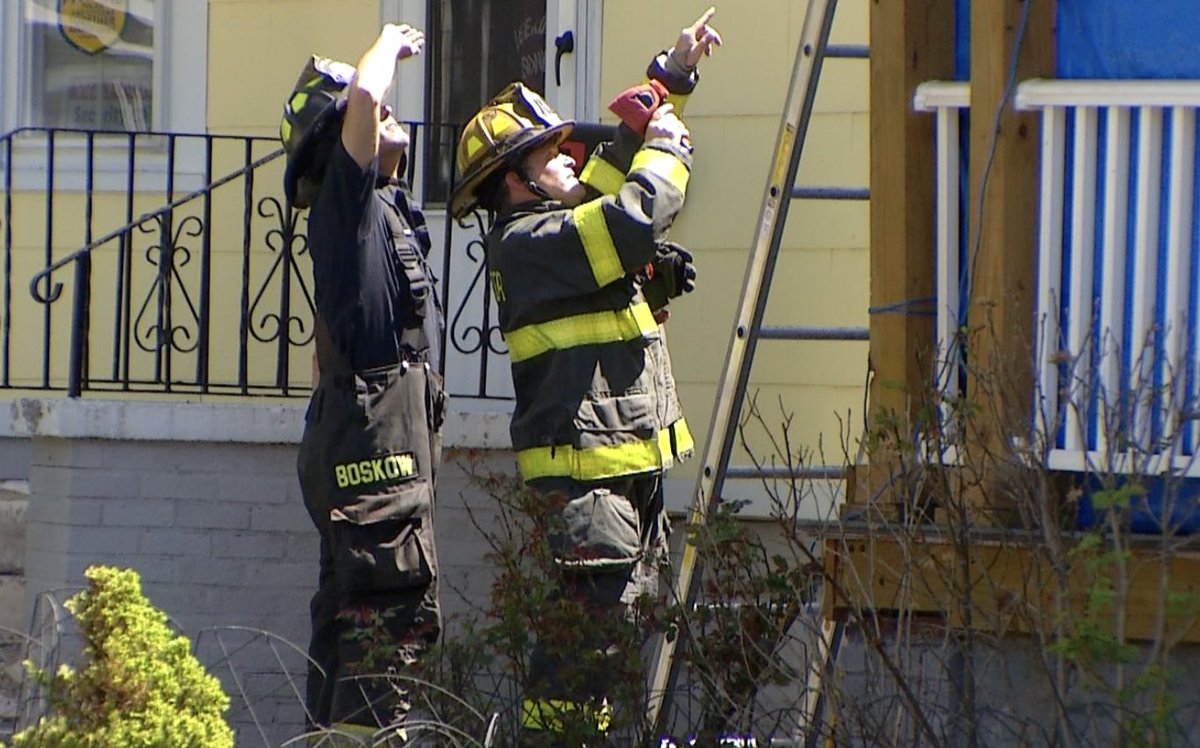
x,y
170,263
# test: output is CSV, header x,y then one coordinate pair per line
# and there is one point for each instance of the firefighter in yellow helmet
x,y
371,446
581,271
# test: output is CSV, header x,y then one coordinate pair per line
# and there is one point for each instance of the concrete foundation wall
x,y
203,501
15,453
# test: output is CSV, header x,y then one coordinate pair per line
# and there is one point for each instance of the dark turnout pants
x,y
608,540
368,462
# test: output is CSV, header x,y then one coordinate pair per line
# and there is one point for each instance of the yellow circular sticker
x,y
91,26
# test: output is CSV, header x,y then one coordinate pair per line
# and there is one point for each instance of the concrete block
x,y
217,572
64,511
217,515
249,545
283,575
256,489
102,483
139,512
15,455
13,615
263,461
105,542
280,518
14,499
172,484
45,538
152,570
190,607
53,452
303,545
51,481
172,542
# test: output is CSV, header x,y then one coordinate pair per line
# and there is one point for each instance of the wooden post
x,y
912,41
1002,238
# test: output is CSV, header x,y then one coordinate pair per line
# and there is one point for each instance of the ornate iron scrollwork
x,y
288,245
168,256
466,336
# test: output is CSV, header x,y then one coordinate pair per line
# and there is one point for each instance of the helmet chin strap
x,y
533,186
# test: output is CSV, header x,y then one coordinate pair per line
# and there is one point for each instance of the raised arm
x,y
375,71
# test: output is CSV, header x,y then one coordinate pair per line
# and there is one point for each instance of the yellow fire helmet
x,y
516,121
311,116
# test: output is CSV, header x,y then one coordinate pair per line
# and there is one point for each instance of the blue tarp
x,y
1114,39
1125,39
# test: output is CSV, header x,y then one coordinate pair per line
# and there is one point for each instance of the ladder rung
x,y
785,332
852,51
811,472
831,193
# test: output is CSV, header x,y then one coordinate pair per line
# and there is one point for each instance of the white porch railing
x,y
947,100
1117,291
1117,284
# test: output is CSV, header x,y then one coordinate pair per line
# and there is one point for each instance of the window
x,y
130,65
90,63
476,47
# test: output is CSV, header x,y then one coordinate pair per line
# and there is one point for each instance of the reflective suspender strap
x,y
597,242
600,174
547,714
593,328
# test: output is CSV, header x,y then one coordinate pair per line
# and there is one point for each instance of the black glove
x,y
671,274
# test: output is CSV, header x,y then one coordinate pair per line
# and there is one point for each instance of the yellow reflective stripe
x,y
610,461
592,328
675,441
605,177
592,463
597,242
684,442
679,100
546,714
598,463
664,165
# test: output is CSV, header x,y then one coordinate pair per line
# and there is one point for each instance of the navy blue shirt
x,y
361,289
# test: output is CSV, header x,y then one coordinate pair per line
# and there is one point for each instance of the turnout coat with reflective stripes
x,y
595,395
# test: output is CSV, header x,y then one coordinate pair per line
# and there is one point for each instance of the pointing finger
x,y
704,19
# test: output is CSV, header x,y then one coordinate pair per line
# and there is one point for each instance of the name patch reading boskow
x,y
393,467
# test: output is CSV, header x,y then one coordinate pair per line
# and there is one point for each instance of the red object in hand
x,y
635,105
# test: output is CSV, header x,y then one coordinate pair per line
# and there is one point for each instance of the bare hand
x,y
412,40
696,41
665,124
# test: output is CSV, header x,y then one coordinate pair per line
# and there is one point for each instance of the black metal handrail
x,y
81,258
133,159
168,309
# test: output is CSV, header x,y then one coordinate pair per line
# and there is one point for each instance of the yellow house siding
x,y
822,275
257,48
109,209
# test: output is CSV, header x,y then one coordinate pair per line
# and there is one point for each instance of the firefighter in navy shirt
x,y
371,447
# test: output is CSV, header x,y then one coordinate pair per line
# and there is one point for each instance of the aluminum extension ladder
x,y
749,329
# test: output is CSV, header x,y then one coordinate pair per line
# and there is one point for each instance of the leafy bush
x,y
140,686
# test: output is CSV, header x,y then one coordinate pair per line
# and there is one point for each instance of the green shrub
x,y
140,686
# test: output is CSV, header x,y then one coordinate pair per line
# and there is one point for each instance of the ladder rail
x,y
760,269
